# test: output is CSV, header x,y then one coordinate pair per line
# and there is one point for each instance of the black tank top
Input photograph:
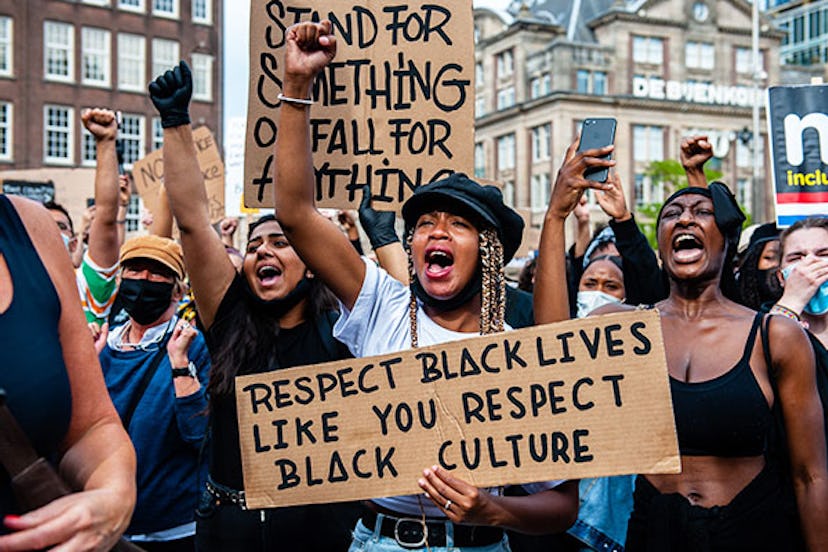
x,y
727,416
32,371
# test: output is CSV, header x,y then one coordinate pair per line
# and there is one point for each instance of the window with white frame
x,y
58,50
535,88
479,105
131,134
164,55
505,64
540,191
506,97
157,134
648,49
133,214
546,84
509,193
699,55
6,139
131,62
540,142
744,61
202,77
479,77
96,2
202,11
599,83
506,152
165,8
582,81
131,5
95,61
58,134
479,160
648,143
89,150
6,47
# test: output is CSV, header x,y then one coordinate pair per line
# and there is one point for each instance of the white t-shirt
x,y
379,324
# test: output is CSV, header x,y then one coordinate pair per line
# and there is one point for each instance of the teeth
x,y
268,271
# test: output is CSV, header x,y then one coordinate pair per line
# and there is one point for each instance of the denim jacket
x,y
606,503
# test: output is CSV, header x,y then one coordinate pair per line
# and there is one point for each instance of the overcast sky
x,y
237,53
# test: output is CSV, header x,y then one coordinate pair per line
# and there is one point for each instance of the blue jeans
x,y
366,540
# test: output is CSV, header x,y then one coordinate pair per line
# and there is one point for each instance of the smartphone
x,y
90,201
597,133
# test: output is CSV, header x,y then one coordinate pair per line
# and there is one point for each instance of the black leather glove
x,y
379,225
171,93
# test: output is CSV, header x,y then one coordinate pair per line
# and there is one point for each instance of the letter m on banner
x,y
798,130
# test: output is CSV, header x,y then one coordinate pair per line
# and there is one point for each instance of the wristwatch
x,y
187,371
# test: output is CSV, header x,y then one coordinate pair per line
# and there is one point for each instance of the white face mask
x,y
588,301
66,241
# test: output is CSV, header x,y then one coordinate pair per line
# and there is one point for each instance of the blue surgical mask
x,y
588,301
66,241
818,305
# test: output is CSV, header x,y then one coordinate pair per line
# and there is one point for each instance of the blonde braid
x,y
493,293
412,302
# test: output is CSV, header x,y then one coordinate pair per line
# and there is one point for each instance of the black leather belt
x,y
413,532
225,495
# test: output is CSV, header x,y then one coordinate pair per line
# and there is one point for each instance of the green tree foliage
x,y
671,175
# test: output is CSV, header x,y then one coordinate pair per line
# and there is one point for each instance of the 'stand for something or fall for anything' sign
x,y
394,109
582,398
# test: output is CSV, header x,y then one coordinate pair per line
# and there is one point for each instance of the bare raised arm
x,y
793,359
208,266
320,244
695,151
104,243
551,299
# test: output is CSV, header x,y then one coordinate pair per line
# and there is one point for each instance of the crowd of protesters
x,y
122,374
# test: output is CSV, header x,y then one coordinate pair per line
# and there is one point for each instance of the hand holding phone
x,y
597,133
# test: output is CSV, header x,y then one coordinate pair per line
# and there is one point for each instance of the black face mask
x,y
145,301
277,308
474,287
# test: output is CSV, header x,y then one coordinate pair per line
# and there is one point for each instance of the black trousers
x,y
180,545
758,519
314,528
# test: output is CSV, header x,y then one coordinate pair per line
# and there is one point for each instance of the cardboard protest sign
x,y
577,399
394,109
798,131
148,174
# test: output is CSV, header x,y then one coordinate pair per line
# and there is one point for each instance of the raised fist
x,y
102,123
171,93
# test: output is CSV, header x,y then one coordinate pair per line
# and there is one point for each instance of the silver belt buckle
x,y
415,521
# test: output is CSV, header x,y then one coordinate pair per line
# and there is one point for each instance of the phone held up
x,y
597,133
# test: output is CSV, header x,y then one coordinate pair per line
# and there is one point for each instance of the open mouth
x,y
439,263
268,275
687,248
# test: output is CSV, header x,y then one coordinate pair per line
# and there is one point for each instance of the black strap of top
x,y
757,322
142,386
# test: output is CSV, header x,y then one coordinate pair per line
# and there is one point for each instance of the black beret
x,y
463,196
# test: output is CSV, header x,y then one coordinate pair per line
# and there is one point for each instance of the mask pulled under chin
x,y
145,301
279,307
474,287
588,301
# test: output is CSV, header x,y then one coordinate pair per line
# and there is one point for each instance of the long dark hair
x,y
757,287
250,334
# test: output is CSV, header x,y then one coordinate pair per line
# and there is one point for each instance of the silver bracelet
x,y
281,97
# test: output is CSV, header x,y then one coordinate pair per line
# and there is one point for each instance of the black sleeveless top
x,y
727,416
32,371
